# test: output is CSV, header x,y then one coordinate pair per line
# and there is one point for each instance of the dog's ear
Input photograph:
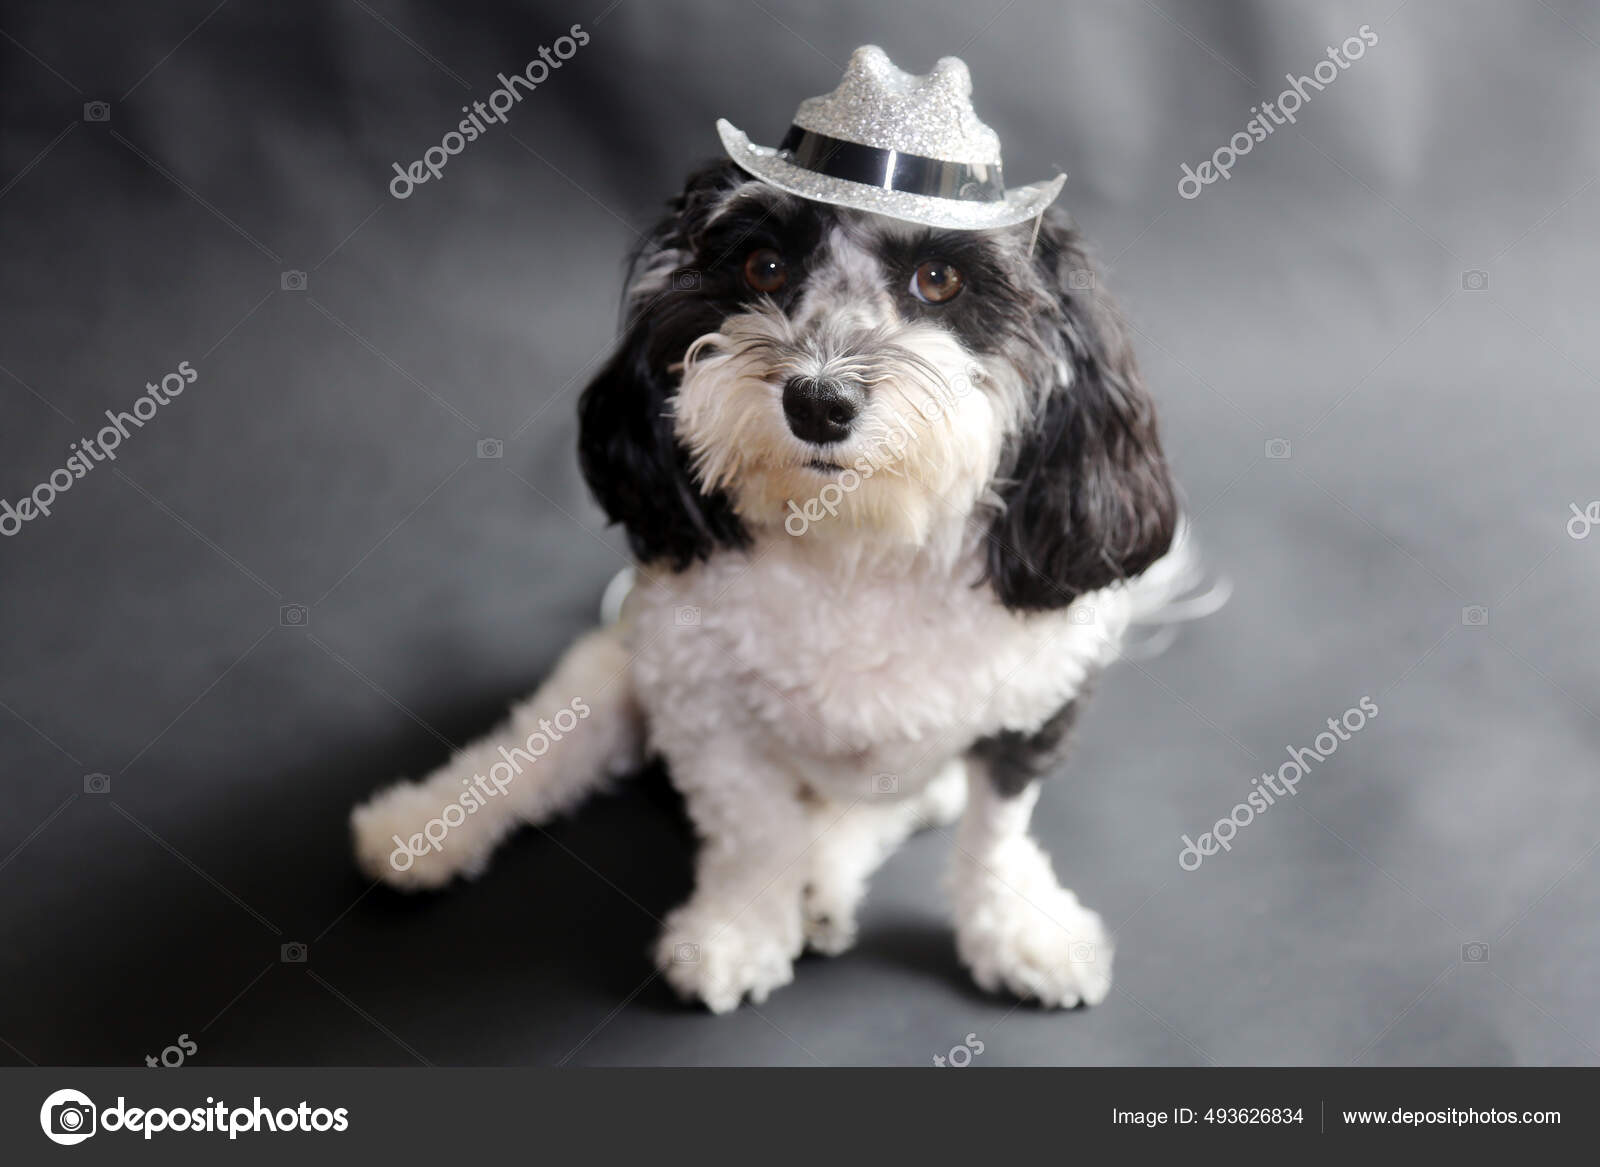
x,y
1087,496
629,454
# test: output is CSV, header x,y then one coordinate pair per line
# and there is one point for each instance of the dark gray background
x,y
326,457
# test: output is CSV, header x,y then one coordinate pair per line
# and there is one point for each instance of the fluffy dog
x,y
894,493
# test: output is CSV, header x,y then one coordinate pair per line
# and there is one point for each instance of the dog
x,y
895,495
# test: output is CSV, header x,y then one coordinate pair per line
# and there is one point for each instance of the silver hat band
x,y
890,169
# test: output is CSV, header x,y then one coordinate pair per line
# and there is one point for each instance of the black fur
x,y
1085,491
1088,498
632,461
992,313
1014,760
791,226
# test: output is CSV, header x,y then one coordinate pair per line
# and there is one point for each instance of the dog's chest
x,y
877,665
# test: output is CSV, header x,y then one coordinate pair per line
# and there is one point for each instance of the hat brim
x,y
1018,206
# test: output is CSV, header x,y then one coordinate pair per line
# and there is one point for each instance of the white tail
x,y
1169,593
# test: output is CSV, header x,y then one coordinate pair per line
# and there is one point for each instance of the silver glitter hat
x,y
896,144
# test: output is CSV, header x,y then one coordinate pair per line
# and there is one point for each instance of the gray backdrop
x,y
1440,428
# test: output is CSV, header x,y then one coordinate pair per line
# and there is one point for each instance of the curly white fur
x,y
813,719
815,698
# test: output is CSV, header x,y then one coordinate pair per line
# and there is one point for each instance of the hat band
x,y
891,169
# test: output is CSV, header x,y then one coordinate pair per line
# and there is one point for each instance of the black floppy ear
x,y
629,454
1087,496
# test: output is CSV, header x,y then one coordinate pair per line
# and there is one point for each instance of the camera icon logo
x,y
1278,449
1081,614
686,953
687,616
97,783
885,784
68,1117
1080,279
97,111
491,448
293,280
1475,952
294,615
1475,616
1081,952
293,953
686,279
1475,281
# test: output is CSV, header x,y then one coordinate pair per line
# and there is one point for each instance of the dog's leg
x,y
1016,927
854,839
526,771
740,930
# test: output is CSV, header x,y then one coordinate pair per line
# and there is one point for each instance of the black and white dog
x,y
895,494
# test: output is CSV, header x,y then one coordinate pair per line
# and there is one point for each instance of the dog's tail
x,y
1173,590
582,727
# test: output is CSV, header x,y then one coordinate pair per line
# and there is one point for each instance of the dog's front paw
x,y
387,833
1061,961
720,963
1031,937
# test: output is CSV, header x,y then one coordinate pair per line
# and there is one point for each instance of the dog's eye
x,y
936,282
765,271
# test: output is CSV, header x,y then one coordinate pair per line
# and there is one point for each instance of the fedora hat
x,y
896,144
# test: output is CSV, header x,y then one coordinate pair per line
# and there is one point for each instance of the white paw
x,y
1034,939
721,963
829,909
386,834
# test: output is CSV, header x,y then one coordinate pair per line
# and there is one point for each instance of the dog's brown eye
x,y
936,282
765,270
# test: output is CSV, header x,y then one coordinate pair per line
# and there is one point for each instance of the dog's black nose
x,y
819,409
